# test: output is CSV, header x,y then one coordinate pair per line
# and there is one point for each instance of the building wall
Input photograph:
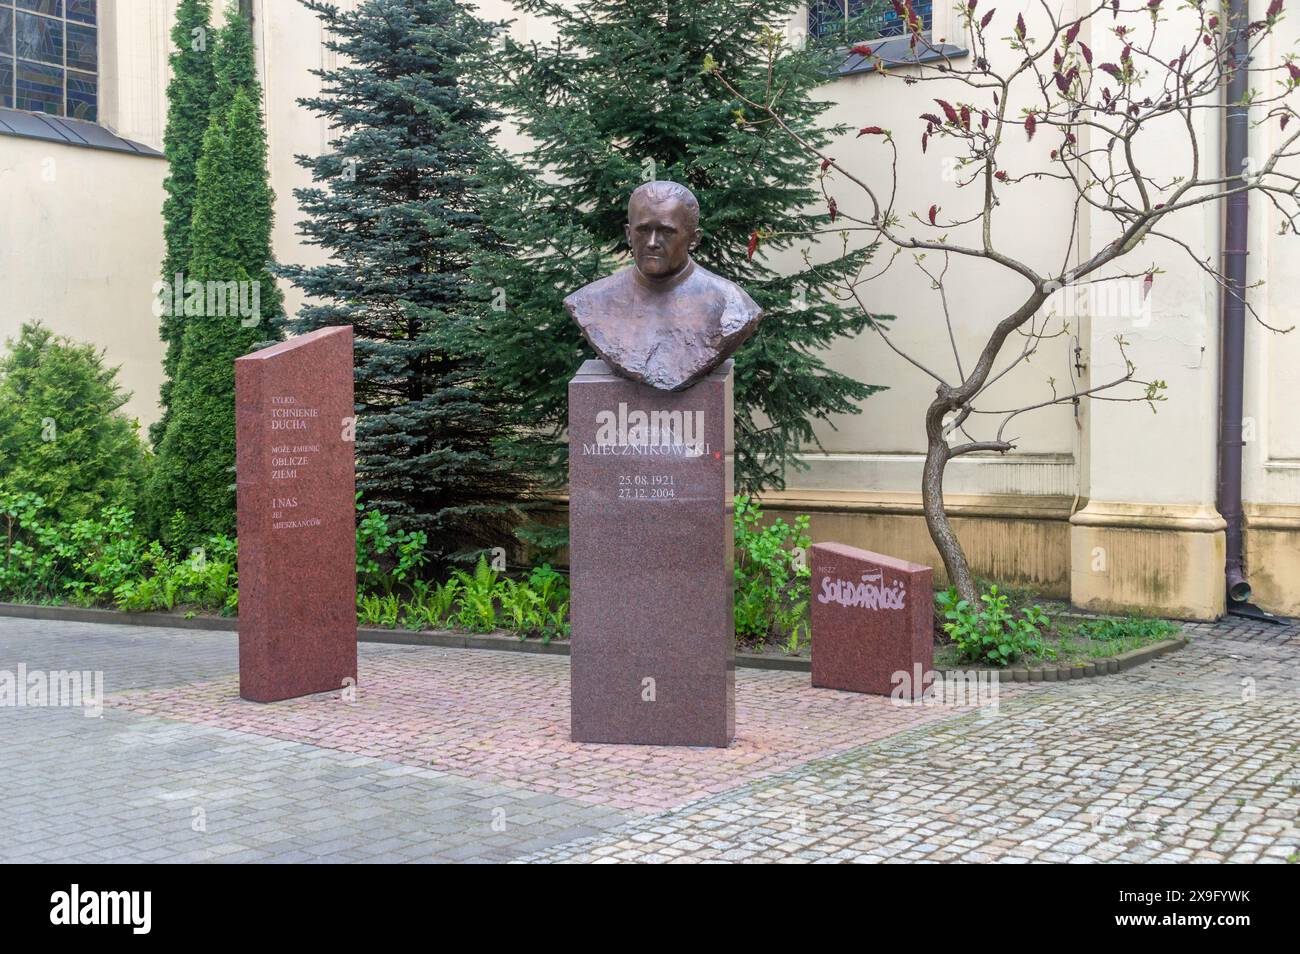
x,y
1109,503
80,228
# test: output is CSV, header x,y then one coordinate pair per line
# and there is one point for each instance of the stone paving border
x,y
451,639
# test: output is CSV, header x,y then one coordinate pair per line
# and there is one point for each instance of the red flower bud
x,y
1030,125
870,131
987,18
948,110
934,211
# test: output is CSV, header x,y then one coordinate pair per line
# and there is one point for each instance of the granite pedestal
x,y
872,618
650,536
295,484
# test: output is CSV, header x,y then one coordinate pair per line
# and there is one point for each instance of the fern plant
x,y
476,602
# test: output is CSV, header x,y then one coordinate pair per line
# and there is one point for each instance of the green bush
x,y
205,578
430,604
109,561
771,576
537,605
385,557
106,561
480,601
376,610
63,438
476,603
991,633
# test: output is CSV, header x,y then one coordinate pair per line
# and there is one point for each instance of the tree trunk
x,y
941,532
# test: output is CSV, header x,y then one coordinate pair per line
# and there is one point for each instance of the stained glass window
x,y
49,57
859,20
81,10
53,8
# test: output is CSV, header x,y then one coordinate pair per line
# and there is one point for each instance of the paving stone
x,y
454,755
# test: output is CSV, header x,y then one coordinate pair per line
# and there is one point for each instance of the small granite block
x,y
872,622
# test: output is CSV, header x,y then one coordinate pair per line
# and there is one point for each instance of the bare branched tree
x,y
1113,128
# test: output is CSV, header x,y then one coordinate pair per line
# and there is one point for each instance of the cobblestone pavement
x,y
461,755
504,717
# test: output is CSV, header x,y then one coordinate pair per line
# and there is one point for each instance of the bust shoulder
x,y
581,304
736,309
669,334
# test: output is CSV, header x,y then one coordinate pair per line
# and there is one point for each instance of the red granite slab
x,y
650,538
295,487
872,618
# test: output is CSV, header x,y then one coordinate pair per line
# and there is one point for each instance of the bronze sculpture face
x,y
664,320
662,232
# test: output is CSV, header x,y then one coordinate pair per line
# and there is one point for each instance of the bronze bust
x,y
664,320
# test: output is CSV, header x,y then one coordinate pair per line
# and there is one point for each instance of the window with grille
x,y
858,20
49,57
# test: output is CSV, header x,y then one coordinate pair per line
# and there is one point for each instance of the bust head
x,y
665,321
663,228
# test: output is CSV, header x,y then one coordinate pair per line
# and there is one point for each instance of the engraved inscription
x,y
289,462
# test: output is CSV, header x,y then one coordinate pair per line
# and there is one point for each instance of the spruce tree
x,y
231,237
189,95
620,97
393,205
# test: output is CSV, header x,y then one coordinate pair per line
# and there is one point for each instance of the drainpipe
x,y
1232,352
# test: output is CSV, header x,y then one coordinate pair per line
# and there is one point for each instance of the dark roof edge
x,y
69,132
896,51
